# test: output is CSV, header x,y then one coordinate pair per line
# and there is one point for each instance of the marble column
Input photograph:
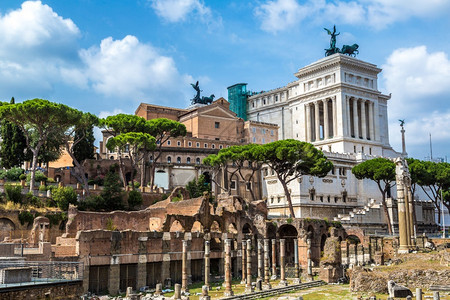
x,y
184,274
407,214
402,221
207,263
411,216
376,127
326,128
334,116
296,265
283,281
274,259
371,125
309,260
228,291
317,120
260,259
363,120
308,123
248,284
266,265
355,118
244,265
349,120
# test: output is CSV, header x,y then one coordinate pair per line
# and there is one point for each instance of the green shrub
x,y
13,174
50,180
134,199
196,188
110,225
63,196
26,217
13,193
56,218
42,188
23,176
32,200
92,203
38,177
2,174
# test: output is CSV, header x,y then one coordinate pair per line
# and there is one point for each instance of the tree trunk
x,y
288,197
122,170
82,175
386,212
33,168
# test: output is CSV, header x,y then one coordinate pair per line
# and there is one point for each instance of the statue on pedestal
x,y
198,99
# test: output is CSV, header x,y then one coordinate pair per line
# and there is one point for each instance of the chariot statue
x,y
350,50
198,99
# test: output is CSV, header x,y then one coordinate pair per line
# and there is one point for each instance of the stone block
x,y
15,275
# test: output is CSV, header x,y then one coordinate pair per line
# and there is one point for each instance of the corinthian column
x,y
248,284
228,291
308,135
274,259
266,265
244,265
207,263
355,118
363,120
283,281
184,275
371,129
326,128
317,120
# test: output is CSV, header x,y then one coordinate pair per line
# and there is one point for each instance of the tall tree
x,y
135,142
39,119
220,170
382,171
162,129
13,145
84,148
291,159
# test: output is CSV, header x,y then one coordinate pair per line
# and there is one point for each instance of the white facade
x,y
335,105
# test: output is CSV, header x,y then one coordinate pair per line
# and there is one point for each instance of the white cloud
x,y
278,15
174,11
128,68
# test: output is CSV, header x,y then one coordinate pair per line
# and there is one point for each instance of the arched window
x,y
151,158
169,159
127,148
197,160
178,160
188,160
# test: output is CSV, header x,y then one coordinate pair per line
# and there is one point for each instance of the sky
x,y
106,57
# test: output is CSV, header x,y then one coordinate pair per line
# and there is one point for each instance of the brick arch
x,y
358,232
6,227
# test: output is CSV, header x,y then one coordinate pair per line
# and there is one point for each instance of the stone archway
x,y
197,227
6,228
176,226
215,227
289,233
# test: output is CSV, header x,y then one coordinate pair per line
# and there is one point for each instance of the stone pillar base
x,y
283,283
296,281
273,277
205,298
249,289
266,286
403,250
227,293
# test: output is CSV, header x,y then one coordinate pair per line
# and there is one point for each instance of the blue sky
x,y
108,56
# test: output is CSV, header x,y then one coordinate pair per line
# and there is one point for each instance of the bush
x,y
26,217
32,200
63,196
13,174
134,199
196,188
38,177
13,193
2,174
112,192
42,188
92,203
135,184
56,218
23,177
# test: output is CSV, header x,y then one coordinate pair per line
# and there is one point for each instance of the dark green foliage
x,y
2,174
26,217
13,144
112,193
32,200
38,177
13,174
56,218
92,203
134,199
196,188
63,196
13,193
23,176
84,149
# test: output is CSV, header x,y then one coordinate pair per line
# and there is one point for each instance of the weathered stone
x,y
398,291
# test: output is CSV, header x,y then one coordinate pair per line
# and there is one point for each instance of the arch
x,y
188,160
247,229
232,228
179,160
169,159
287,231
176,226
310,232
58,178
128,177
111,157
6,228
197,227
197,161
215,227
323,239
271,231
353,239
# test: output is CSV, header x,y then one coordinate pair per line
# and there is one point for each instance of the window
x,y
335,199
151,158
178,160
206,145
127,148
254,140
168,143
273,172
220,146
266,172
354,149
188,160
271,200
213,146
178,143
169,159
312,195
328,199
370,151
263,131
198,145
233,184
263,140
253,104
271,132
278,199
321,198
276,98
264,101
216,124
344,197
197,160
190,144
254,130
218,139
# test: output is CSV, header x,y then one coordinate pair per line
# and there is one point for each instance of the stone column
x,y
376,127
207,263
248,284
296,265
309,261
402,222
355,118
228,291
267,285
356,254
317,120
334,116
244,265
274,259
371,125
407,215
418,294
184,271
326,130
177,291
283,281
308,123
114,277
205,296
363,120
260,259
411,216
347,107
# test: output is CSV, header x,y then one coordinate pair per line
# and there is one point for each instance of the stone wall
x,y
67,291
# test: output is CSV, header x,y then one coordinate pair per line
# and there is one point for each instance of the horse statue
x,y
207,100
350,50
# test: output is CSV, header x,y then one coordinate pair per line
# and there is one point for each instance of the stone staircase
x,y
371,213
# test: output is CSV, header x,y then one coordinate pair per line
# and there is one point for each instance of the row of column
x,y
360,118
318,115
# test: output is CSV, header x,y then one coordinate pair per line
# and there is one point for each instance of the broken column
x,y
244,265
205,295
207,263
184,274
177,291
296,266
260,259
274,259
266,285
248,284
228,291
283,281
